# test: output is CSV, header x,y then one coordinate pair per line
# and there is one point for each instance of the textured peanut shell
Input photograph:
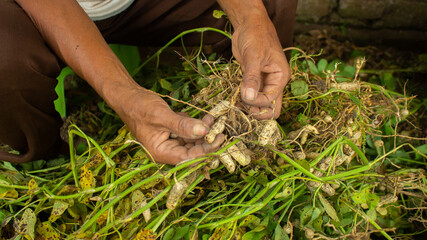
x,y
237,151
217,128
228,162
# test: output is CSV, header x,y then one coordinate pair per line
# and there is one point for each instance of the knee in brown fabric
x,y
28,70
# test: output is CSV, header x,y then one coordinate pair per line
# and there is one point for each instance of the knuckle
x,y
181,126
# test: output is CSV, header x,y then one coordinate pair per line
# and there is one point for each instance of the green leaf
x,y
400,154
303,119
357,53
26,226
181,232
359,197
58,209
169,234
346,74
262,179
372,200
312,66
330,210
331,66
346,219
59,103
202,82
252,235
218,14
192,233
280,234
389,81
250,221
317,223
212,57
185,91
306,214
165,84
304,163
372,214
3,215
422,148
263,225
321,65
299,88
128,55
315,214
200,67
354,99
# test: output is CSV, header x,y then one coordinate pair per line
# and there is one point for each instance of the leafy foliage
x,y
104,189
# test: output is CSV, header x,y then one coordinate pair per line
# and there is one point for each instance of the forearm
x,y
76,40
240,11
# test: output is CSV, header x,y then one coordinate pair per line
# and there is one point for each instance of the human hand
x,y
265,69
152,122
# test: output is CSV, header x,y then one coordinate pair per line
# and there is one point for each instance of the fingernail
x,y
250,94
200,130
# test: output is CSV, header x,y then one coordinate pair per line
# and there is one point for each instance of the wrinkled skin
x,y
75,39
152,121
265,68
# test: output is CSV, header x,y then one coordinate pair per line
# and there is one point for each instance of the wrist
x,y
118,91
240,11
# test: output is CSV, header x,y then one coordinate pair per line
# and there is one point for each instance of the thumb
x,y
251,81
186,127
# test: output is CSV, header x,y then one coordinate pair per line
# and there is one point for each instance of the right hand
x,y
152,122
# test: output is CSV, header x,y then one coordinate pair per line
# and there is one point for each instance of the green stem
x,y
288,204
296,165
107,187
62,181
253,207
357,150
326,151
369,219
156,224
249,185
201,30
92,220
136,213
14,186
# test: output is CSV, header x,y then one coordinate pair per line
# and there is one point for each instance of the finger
x,y
183,114
172,152
209,120
205,148
251,81
263,113
275,75
183,126
169,152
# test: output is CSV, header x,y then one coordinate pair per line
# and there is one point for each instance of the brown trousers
x,y
28,67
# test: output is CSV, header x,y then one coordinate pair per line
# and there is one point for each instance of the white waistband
x,y
102,9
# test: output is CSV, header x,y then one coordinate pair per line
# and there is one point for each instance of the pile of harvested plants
x,y
344,160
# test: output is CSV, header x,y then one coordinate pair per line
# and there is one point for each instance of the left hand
x,y
266,71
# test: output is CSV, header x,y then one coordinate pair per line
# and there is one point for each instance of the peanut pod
x,y
221,108
179,188
238,152
347,86
216,129
266,135
138,202
228,162
213,164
